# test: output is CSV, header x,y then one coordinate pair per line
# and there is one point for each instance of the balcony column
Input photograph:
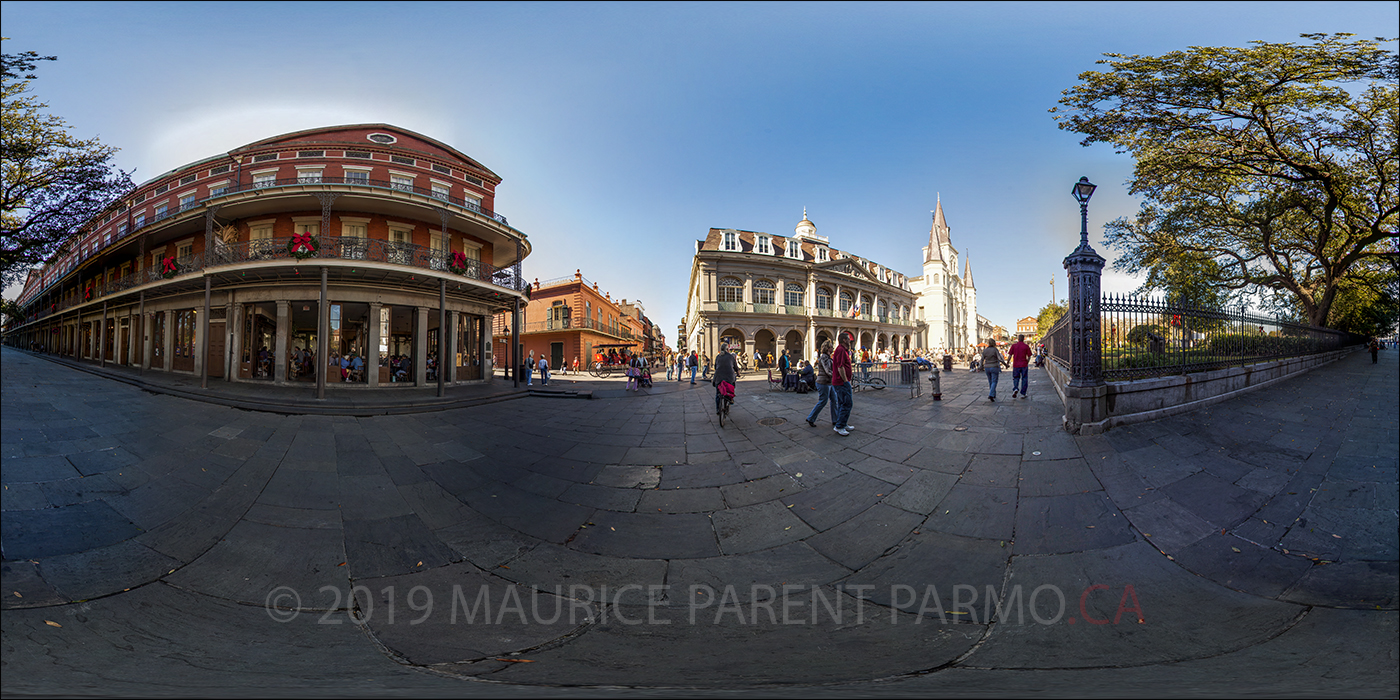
x,y
420,346
513,370
747,301
279,352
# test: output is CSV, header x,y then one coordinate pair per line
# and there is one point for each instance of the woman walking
x,y
992,361
823,370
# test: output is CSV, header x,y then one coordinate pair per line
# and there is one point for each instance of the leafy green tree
x,y
1368,301
1277,162
53,182
1049,314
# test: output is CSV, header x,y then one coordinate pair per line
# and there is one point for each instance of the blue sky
x,y
624,132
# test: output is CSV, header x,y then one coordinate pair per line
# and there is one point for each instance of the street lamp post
x,y
1086,392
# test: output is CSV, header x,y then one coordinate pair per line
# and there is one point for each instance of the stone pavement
x,y
158,545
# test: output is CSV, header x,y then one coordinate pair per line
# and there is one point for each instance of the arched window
x,y
792,294
823,298
847,301
884,310
865,304
764,292
731,290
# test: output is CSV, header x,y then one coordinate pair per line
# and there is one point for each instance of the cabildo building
x,y
273,261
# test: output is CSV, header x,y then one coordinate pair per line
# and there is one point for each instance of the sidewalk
x,y
300,398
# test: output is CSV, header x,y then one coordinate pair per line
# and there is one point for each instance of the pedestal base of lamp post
x,y
1086,409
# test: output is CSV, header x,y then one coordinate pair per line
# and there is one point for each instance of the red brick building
x,y
335,242
566,319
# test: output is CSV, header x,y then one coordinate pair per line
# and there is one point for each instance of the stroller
x,y
644,381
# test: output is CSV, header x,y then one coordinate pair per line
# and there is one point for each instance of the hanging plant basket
x,y
169,267
303,246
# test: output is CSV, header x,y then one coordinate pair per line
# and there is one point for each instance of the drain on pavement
x,y
772,421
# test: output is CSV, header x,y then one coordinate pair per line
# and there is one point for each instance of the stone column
x,y
234,326
420,346
448,365
102,338
1086,392
145,338
323,326
483,335
372,351
279,353
442,344
201,332
167,362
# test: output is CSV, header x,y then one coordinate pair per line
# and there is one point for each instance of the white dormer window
x,y
731,240
762,247
794,250
821,255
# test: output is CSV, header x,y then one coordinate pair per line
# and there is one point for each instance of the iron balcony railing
x,y
142,221
269,249
577,324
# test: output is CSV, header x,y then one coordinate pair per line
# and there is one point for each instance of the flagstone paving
x,y
155,544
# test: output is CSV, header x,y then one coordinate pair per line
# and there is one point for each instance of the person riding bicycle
x,y
724,374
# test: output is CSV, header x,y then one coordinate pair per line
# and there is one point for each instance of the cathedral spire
x,y
967,271
937,233
939,223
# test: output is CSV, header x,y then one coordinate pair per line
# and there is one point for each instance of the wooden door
x,y
214,360
124,348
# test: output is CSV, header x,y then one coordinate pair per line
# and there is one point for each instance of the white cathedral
x,y
947,301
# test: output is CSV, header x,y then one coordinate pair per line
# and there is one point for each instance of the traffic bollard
x,y
935,379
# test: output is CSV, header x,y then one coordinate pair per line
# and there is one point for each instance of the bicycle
x,y
724,412
858,383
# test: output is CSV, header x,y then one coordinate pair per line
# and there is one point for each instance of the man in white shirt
x,y
544,371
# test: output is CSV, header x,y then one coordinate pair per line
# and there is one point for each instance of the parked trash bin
x,y
947,363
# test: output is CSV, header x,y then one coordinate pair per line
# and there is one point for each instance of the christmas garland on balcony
x,y
303,246
169,267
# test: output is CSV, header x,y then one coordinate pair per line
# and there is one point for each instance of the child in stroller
x,y
645,381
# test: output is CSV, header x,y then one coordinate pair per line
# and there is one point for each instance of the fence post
x,y
1086,393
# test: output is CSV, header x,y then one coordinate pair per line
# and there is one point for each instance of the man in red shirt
x,y
841,384
1020,366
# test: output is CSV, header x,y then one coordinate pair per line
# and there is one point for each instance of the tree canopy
x,y
53,182
1269,170
1047,316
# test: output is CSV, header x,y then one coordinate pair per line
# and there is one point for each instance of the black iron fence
x,y
1143,337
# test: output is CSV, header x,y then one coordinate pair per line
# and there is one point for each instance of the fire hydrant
x,y
937,384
